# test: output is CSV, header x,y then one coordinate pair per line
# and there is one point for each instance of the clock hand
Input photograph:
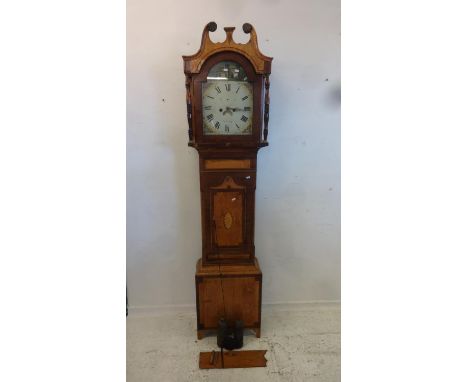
x,y
228,110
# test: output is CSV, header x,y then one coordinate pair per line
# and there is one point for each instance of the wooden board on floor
x,y
233,359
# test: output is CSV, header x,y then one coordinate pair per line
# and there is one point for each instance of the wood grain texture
x,y
232,359
222,156
228,217
261,63
228,278
225,164
225,192
196,67
231,298
232,292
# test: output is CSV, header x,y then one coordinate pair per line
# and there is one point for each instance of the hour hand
x,y
228,110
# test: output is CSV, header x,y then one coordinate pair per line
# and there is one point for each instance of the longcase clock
x,y
227,94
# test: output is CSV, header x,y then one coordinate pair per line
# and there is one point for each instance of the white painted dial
x,y
227,101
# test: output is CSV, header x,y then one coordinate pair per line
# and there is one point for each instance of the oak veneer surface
x,y
234,269
240,300
227,215
228,208
229,291
217,164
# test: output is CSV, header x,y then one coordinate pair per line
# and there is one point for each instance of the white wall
x,y
297,234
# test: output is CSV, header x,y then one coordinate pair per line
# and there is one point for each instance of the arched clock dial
x,y
227,101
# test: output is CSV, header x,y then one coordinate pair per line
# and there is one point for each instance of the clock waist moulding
x,y
227,94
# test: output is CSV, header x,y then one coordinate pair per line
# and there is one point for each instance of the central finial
x,y
229,31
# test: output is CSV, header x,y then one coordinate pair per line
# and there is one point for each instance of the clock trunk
x,y
227,183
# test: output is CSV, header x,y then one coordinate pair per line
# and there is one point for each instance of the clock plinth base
x,y
232,292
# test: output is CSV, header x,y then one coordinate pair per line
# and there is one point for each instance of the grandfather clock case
x,y
227,96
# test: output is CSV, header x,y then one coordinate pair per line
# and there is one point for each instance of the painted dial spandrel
x,y
227,101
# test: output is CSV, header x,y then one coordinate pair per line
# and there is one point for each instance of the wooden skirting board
x,y
232,359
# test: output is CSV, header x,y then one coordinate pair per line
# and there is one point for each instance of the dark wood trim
x,y
259,305
198,280
266,111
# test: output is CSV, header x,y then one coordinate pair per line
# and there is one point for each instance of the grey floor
x,y
303,345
